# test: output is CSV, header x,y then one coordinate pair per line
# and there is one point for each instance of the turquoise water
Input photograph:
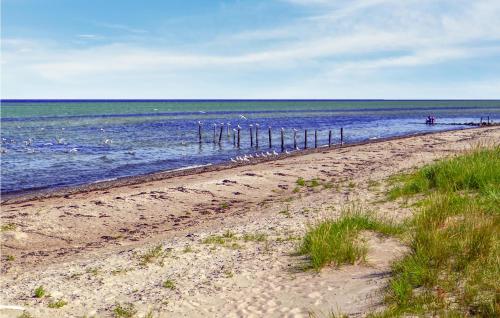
x,y
47,144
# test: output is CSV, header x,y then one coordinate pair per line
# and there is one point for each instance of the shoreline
x,y
55,192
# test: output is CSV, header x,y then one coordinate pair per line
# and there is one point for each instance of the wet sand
x,y
85,245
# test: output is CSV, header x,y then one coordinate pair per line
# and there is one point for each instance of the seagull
x,y
202,112
243,117
232,160
59,140
257,155
275,153
250,156
73,150
297,148
268,153
199,122
108,141
239,127
287,152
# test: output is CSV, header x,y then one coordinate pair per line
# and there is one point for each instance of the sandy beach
x,y
215,243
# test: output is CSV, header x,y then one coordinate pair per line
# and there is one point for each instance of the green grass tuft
x,y
40,292
124,311
335,241
57,304
170,284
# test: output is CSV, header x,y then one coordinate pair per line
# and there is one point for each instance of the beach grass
x,y
453,269
335,241
124,311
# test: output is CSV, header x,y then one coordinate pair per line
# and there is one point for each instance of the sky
x,y
169,49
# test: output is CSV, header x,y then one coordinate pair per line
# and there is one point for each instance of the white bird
x,y
73,150
297,148
59,140
199,122
250,156
257,155
245,159
287,152
275,153
268,153
232,160
243,117
239,127
108,141
202,112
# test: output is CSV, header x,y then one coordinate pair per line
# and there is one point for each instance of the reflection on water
x,y
61,144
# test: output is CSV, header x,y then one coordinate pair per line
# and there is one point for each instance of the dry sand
x,y
86,248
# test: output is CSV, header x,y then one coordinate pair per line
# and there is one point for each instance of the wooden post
x,y
481,121
488,120
270,139
341,136
228,132
315,138
251,135
330,138
256,135
305,139
294,138
234,137
239,128
282,140
220,134
215,127
199,132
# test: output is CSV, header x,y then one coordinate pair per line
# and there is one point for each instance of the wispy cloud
x,y
343,40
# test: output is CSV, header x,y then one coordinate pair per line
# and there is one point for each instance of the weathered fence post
x,y
341,136
199,132
239,128
256,135
330,138
220,134
228,132
282,139
234,137
251,135
315,138
305,139
270,139
294,138
215,127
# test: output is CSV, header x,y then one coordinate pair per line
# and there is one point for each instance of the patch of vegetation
x,y
9,258
301,182
477,171
187,249
8,227
154,254
25,314
93,270
40,292
124,311
228,273
351,185
170,284
335,241
373,185
256,237
57,304
453,269
119,271
220,239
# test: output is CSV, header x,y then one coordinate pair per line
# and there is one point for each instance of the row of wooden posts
x,y
237,136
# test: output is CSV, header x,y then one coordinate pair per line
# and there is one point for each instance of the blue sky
x,y
251,49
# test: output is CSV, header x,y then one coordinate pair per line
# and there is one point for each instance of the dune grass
x,y
453,269
335,241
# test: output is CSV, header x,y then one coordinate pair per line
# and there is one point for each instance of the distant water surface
x,y
48,144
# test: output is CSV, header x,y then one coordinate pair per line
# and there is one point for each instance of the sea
x,y
49,144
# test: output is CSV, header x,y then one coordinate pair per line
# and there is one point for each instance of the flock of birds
x,y
267,154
